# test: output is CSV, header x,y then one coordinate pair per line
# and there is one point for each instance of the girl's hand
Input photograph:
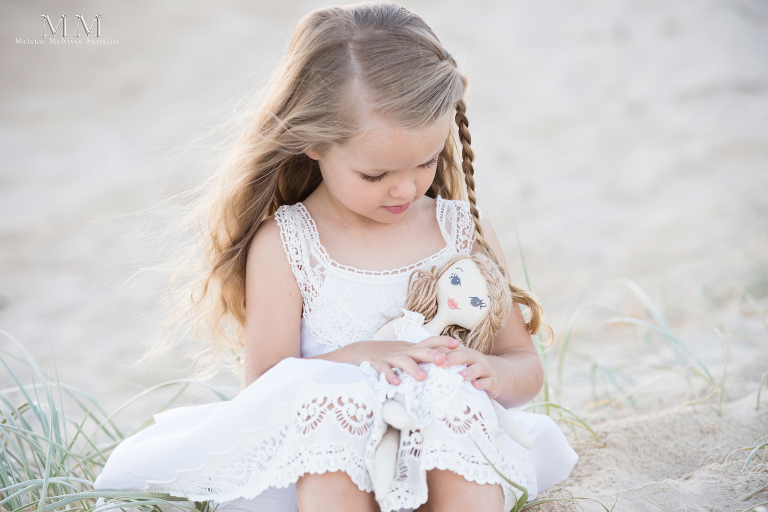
x,y
479,369
385,355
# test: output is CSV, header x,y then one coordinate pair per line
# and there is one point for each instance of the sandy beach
x,y
621,155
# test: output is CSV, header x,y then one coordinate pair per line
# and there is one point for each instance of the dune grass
x,y
49,460
618,385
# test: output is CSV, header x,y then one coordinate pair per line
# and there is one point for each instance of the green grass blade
x,y
58,388
667,334
573,415
520,488
48,458
760,313
759,444
35,368
23,391
548,500
568,333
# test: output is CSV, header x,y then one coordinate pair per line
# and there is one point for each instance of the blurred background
x,y
624,139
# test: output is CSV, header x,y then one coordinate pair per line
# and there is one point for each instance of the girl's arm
x,y
514,357
272,304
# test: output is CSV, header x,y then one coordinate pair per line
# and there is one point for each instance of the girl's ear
x,y
314,155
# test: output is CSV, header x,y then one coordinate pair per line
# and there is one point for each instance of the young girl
x,y
344,182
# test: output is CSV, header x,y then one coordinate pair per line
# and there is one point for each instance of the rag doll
x,y
468,299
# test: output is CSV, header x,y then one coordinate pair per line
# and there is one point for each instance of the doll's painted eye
x,y
455,280
477,302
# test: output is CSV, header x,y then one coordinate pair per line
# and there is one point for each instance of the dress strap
x,y
298,239
456,224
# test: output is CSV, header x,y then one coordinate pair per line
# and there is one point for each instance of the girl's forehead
x,y
383,146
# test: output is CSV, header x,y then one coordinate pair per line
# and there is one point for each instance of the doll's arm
x,y
386,332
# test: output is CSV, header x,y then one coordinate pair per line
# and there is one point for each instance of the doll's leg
x,y
449,492
332,492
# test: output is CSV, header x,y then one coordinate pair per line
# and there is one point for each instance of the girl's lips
x,y
452,304
397,209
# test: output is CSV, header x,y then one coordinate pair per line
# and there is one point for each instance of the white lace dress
x,y
312,416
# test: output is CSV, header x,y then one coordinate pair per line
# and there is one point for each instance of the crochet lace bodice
x,y
343,304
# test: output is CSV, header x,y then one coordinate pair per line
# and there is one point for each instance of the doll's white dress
x,y
312,415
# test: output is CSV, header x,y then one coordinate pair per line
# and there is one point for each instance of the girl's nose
x,y
404,188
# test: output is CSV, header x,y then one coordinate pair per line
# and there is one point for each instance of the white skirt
x,y
312,416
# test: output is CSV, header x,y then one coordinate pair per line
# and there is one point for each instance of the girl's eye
x,y
455,280
430,163
372,179
477,302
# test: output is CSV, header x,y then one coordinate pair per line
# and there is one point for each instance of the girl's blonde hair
x,y
408,77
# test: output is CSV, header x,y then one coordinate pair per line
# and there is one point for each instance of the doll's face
x,y
462,294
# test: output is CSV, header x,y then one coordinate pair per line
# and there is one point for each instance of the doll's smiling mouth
x,y
453,304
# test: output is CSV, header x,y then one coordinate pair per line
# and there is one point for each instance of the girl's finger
x,y
440,341
386,369
472,371
485,383
427,355
467,357
391,377
407,364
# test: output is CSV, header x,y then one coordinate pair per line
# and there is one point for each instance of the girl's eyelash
x,y
372,179
430,163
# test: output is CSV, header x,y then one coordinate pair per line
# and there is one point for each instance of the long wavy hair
x,y
408,77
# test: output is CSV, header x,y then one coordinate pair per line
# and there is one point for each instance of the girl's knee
x,y
332,491
450,492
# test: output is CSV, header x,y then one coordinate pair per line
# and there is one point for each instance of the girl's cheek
x,y
424,181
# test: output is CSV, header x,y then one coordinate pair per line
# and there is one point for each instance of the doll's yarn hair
x,y
422,298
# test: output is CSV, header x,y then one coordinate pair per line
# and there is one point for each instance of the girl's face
x,y
462,294
381,173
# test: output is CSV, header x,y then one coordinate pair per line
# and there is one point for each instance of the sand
x,y
628,139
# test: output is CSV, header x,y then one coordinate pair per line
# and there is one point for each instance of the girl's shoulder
x,y
266,247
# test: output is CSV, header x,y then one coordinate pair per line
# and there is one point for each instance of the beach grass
x,y
50,455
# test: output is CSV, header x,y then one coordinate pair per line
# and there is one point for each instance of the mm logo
x,y
63,24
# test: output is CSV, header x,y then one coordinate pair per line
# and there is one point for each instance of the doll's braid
x,y
519,295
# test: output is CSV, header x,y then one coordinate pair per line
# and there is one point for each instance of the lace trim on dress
x,y
325,258
327,313
297,249
457,225
337,428
327,431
